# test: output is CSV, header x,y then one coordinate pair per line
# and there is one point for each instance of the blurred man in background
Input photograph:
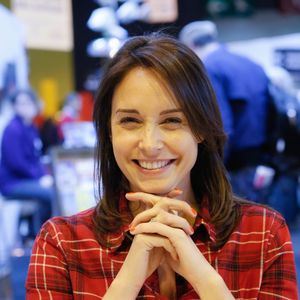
x,y
241,88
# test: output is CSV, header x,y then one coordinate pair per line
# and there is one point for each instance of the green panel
x,y
52,65
5,3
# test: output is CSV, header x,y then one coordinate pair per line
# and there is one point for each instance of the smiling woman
x,y
167,225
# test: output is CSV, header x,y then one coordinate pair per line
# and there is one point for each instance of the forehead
x,y
143,86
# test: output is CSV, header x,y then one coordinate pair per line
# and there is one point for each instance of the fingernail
x,y
191,230
128,194
193,211
178,190
131,227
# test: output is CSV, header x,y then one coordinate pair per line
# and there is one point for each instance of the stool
x,y
12,210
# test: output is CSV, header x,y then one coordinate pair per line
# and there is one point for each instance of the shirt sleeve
x,y
279,275
48,274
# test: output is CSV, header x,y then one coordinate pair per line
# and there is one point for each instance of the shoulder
x,y
75,227
260,217
14,124
259,225
14,128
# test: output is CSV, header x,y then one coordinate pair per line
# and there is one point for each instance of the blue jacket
x,y
20,154
241,87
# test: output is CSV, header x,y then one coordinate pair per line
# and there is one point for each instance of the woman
x,y
167,226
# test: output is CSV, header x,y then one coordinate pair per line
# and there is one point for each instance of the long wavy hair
x,y
183,73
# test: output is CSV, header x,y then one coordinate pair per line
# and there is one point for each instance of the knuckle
x,y
139,238
186,223
159,205
186,205
180,233
163,216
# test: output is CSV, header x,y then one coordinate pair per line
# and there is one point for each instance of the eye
x,y
127,120
173,120
130,122
172,123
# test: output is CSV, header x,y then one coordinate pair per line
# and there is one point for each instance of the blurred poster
x,y
165,11
48,24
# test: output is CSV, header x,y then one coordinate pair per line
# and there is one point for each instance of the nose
x,y
151,141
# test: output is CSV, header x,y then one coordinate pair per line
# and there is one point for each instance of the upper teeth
x,y
154,164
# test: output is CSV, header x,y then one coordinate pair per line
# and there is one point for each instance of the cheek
x,y
123,144
183,142
122,138
188,149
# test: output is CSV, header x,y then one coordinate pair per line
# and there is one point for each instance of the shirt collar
x,y
202,219
116,239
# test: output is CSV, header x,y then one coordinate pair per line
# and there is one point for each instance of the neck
x,y
188,195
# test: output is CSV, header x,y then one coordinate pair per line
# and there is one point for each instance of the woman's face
x,y
152,141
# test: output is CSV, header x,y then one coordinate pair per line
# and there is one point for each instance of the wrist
x,y
212,287
122,289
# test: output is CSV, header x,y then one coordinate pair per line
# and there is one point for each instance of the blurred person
x,y
167,225
241,87
70,111
228,7
284,143
48,131
22,174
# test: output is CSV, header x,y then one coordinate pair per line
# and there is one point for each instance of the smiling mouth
x,y
153,165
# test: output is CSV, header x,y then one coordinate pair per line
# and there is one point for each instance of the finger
x,y
150,198
161,229
170,219
135,195
160,241
174,193
174,221
177,207
140,196
164,202
144,216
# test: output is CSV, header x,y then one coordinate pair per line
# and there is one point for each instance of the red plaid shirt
x,y
257,262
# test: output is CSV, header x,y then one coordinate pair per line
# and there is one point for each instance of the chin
x,y
156,190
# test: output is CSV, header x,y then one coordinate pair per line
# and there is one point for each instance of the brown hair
x,y
183,73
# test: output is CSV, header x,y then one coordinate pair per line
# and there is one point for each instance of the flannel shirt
x,y
257,261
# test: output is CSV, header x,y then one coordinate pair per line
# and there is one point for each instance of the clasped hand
x,y
162,235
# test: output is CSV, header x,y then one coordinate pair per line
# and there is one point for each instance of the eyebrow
x,y
134,111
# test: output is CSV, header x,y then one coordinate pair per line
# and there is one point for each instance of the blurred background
x,y
58,48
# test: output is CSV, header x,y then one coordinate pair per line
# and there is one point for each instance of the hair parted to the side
x,y
184,75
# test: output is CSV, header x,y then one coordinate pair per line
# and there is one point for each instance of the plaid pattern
x,y
257,262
